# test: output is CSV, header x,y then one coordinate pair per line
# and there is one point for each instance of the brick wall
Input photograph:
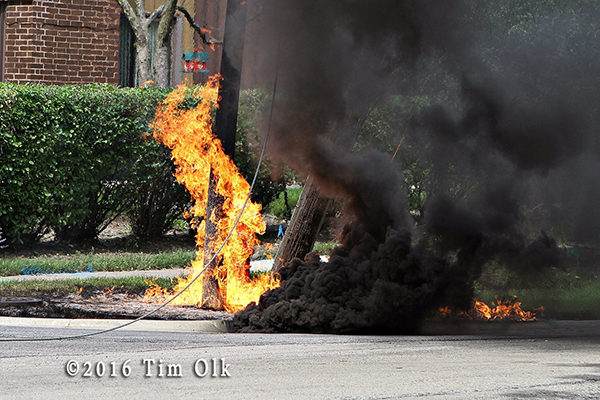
x,y
62,41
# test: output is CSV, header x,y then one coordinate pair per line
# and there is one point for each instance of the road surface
x,y
296,366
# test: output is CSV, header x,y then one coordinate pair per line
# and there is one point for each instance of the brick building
x,y
61,41
75,41
85,41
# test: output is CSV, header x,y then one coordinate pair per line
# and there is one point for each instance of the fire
x,y
183,123
147,83
501,309
445,311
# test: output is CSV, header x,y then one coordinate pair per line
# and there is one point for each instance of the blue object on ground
x,y
33,270
280,233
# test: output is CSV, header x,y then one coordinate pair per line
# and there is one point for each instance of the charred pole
x,y
225,128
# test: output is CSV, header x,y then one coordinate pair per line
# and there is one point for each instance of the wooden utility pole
x,y
301,233
225,128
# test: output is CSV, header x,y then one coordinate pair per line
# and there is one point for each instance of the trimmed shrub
x,y
73,159
159,200
70,155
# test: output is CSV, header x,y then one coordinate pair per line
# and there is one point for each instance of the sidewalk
x,y
159,273
255,266
201,326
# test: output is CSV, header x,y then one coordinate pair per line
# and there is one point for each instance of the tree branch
x,y
156,13
141,8
166,17
203,32
131,15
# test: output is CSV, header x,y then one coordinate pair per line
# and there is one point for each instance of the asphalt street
x,y
259,366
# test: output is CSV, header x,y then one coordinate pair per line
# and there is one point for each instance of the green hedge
x,y
73,157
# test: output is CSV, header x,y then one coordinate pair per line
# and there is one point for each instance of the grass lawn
x,y
68,286
575,303
97,262
563,294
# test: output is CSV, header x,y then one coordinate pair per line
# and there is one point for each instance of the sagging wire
x,y
149,313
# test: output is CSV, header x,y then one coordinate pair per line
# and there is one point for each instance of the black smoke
x,y
367,286
508,137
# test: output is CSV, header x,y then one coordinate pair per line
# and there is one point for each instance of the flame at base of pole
x,y
183,122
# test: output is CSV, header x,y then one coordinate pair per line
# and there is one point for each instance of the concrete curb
x,y
204,326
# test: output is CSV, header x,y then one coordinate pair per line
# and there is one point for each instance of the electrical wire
x,y
84,335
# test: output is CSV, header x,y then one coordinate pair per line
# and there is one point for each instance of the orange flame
x,y
445,311
147,83
183,123
155,290
502,309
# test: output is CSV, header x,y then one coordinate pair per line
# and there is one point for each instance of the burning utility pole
x,y
303,228
225,129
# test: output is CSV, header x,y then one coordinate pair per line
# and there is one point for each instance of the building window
x,y
126,53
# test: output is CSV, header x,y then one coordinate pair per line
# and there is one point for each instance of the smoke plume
x,y
507,139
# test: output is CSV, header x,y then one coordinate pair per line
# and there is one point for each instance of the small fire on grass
x,y
183,123
499,310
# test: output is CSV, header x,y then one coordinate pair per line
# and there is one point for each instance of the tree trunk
x,y
211,295
301,233
143,59
140,22
161,66
161,49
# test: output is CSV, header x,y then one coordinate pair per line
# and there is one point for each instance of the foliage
x,y
278,207
158,199
248,148
72,156
388,127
